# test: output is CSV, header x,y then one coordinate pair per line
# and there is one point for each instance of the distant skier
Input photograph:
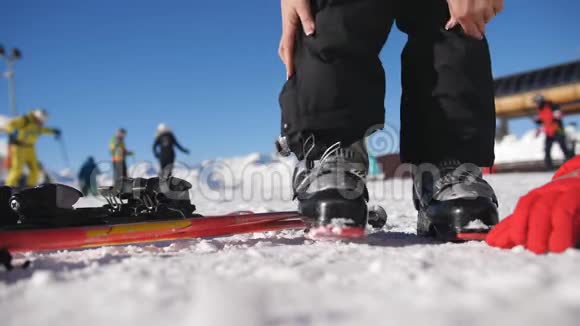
x,y
163,149
44,177
24,131
549,119
572,135
88,177
334,97
119,154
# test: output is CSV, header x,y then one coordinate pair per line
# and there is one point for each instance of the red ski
x,y
471,236
145,232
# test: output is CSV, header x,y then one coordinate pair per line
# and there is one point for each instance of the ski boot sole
x,y
458,220
329,215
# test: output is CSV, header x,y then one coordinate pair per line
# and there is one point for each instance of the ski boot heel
x,y
458,220
329,215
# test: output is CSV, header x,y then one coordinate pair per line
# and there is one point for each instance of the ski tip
x,y
335,233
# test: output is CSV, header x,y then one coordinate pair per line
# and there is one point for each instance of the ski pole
x,y
132,160
64,152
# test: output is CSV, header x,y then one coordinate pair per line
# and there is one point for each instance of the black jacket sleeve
x,y
177,144
155,147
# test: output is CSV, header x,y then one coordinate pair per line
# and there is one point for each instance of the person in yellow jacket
x,y
119,154
24,131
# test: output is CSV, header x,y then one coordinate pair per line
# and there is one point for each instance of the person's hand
x,y
547,219
57,133
570,169
294,14
186,151
473,15
538,132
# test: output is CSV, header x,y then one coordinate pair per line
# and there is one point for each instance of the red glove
x,y
547,219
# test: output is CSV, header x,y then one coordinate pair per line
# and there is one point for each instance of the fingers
x,y
451,23
519,228
488,15
480,24
473,27
470,29
498,6
473,15
305,15
566,211
568,167
287,45
499,236
540,223
294,14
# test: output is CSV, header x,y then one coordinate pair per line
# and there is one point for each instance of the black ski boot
x,y
329,183
453,202
7,215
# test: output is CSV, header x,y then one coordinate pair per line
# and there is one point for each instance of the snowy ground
x,y
283,279
530,146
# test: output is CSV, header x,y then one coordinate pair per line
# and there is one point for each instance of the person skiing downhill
x,y
549,119
88,177
163,149
119,154
334,97
23,132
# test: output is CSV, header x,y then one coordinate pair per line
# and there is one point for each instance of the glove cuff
x,y
569,169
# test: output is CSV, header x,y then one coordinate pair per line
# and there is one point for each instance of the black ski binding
x,y
154,197
130,200
47,201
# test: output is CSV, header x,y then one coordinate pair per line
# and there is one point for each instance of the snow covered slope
x,y
3,121
281,278
530,147
270,175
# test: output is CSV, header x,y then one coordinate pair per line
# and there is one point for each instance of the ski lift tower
x,y
10,57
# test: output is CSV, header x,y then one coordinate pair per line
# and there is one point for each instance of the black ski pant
x,y
89,187
561,140
119,170
447,106
166,162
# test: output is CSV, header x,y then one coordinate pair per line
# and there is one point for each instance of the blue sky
x,y
207,68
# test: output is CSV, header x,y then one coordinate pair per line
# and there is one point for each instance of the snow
x,y
3,121
476,225
530,147
270,175
281,278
